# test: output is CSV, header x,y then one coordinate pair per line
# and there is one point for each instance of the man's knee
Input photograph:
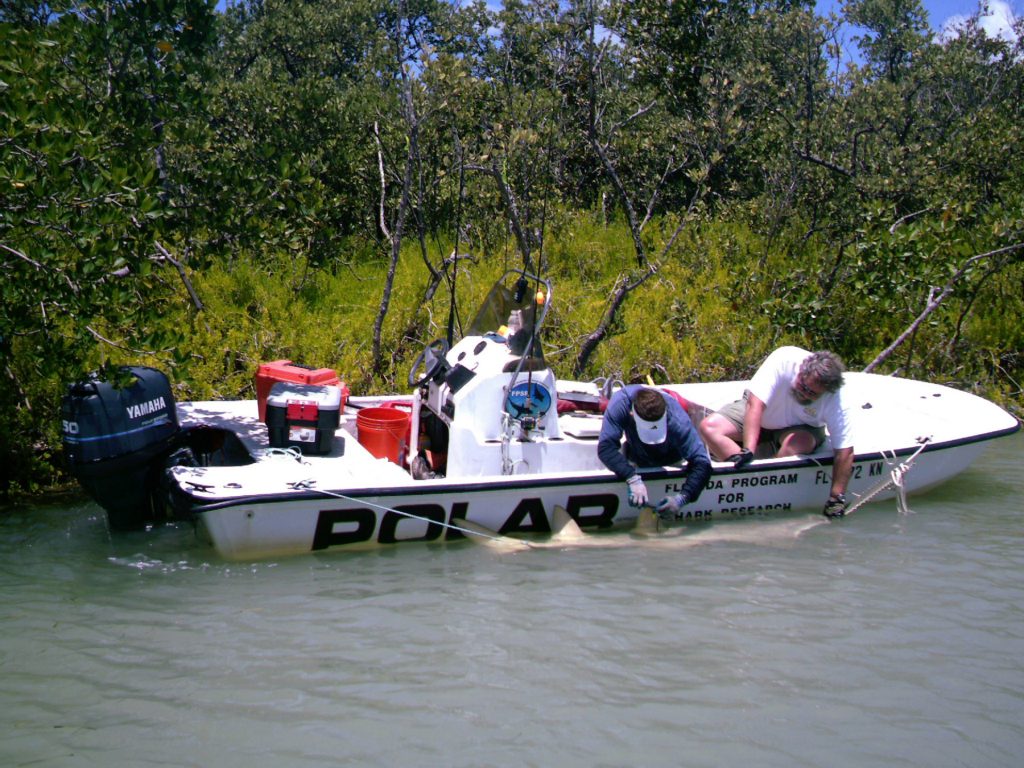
x,y
713,426
797,442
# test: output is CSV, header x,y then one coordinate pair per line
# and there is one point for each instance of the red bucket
x,y
384,432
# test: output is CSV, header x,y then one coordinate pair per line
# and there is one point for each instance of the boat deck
x,y
349,463
241,418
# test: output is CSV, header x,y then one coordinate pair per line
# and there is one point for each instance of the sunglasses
x,y
804,391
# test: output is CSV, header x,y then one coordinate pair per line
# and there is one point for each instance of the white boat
x,y
509,443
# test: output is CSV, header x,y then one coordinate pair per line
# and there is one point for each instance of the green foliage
x,y
207,191
84,100
894,32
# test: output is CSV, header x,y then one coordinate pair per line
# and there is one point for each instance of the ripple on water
x,y
879,641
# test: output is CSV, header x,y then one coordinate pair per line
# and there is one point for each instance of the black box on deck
x,y
303,416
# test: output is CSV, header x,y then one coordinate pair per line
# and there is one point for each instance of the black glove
x,y
742,458
835,506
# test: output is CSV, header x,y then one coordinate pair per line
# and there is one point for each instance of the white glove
x,y
637,491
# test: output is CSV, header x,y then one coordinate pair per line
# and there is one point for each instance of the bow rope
x,y
895,479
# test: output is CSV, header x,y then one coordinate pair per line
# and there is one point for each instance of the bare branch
x,y
22,256
934,302
100,337
512,207
383,182
40,267
904,219
640,112
825,164
196,301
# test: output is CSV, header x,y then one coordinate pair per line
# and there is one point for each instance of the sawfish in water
x,y
646,533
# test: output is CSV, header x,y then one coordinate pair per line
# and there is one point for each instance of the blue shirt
x,y
682,442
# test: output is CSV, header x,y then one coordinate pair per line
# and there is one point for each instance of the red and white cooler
x,y
270,373
304,416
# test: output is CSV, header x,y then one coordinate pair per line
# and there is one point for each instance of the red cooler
x,y
295,373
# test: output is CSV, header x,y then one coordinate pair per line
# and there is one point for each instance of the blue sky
x,y
941,11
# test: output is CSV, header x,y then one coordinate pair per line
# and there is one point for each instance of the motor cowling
x,y
116,438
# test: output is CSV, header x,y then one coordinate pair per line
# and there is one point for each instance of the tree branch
x,y
100,337
511,207
824,164
40,267
934,302
196,301
382,217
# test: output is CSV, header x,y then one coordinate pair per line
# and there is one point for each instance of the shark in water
x,y
647,532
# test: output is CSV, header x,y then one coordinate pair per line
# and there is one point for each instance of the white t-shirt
x,y
773,384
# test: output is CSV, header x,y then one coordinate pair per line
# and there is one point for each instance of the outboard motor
x,y
116,440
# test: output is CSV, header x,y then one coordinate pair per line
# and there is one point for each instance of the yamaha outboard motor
x,y
116,440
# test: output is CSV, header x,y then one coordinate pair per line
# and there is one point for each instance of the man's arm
x,y
698,467
752,421
842,468
609,444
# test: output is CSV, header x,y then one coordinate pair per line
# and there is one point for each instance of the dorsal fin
x,y
563,528
489,538
646,523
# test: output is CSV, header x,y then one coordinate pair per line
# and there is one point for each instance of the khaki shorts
x,y
771,439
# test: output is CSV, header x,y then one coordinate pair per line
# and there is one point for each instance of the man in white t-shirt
x,y
793,396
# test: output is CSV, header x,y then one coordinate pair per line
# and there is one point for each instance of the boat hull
x,y
314,520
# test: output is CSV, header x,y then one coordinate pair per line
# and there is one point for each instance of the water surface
x,y
881,640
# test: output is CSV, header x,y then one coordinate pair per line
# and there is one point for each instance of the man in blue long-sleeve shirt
x,y
658,432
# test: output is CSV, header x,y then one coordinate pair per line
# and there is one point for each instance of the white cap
x,y
652,432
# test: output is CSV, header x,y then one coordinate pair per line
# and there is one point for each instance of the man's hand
x,y
637,491
835,506
668,508
742,458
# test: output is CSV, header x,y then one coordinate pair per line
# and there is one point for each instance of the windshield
x,y
510,303
500,303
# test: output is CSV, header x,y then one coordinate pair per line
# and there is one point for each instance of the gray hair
x,y
824,367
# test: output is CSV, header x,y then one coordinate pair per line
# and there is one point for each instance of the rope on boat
x,y
308,485
895,479
291,452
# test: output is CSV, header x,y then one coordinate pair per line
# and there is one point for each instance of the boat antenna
x,y
534,340
452,312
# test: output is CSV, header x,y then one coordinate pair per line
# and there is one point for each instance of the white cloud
x,y
997,22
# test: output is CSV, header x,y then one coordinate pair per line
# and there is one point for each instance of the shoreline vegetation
x,y
205,190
